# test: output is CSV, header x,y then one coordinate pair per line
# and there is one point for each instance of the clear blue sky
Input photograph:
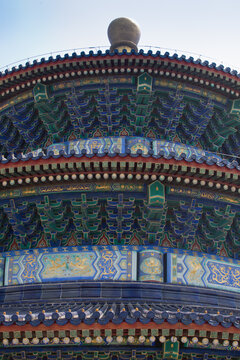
x,y
206,27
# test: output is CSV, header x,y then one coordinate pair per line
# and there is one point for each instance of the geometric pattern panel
x,y
203,271
106,264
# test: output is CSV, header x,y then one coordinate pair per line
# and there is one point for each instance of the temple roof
x,y
95,303
166,56
128,312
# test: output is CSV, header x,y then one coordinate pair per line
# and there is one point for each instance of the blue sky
x,y
205,27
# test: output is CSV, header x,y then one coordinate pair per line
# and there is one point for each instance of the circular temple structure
x,y
119,206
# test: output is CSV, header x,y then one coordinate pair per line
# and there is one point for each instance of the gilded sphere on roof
x,y
123,33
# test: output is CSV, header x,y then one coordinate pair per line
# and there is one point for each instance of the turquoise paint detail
x,y
203,271
120,145
121,263
91,264
150,266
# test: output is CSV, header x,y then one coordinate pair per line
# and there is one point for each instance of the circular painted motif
x,y
151,265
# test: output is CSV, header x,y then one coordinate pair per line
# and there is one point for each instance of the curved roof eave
x,y
181,68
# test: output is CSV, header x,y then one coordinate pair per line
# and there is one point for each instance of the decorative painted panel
x,y
56,148
134,144
203,271
121,263
112,145
150,265
198,193
144,83
190,89
78,187
168,148
106,264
